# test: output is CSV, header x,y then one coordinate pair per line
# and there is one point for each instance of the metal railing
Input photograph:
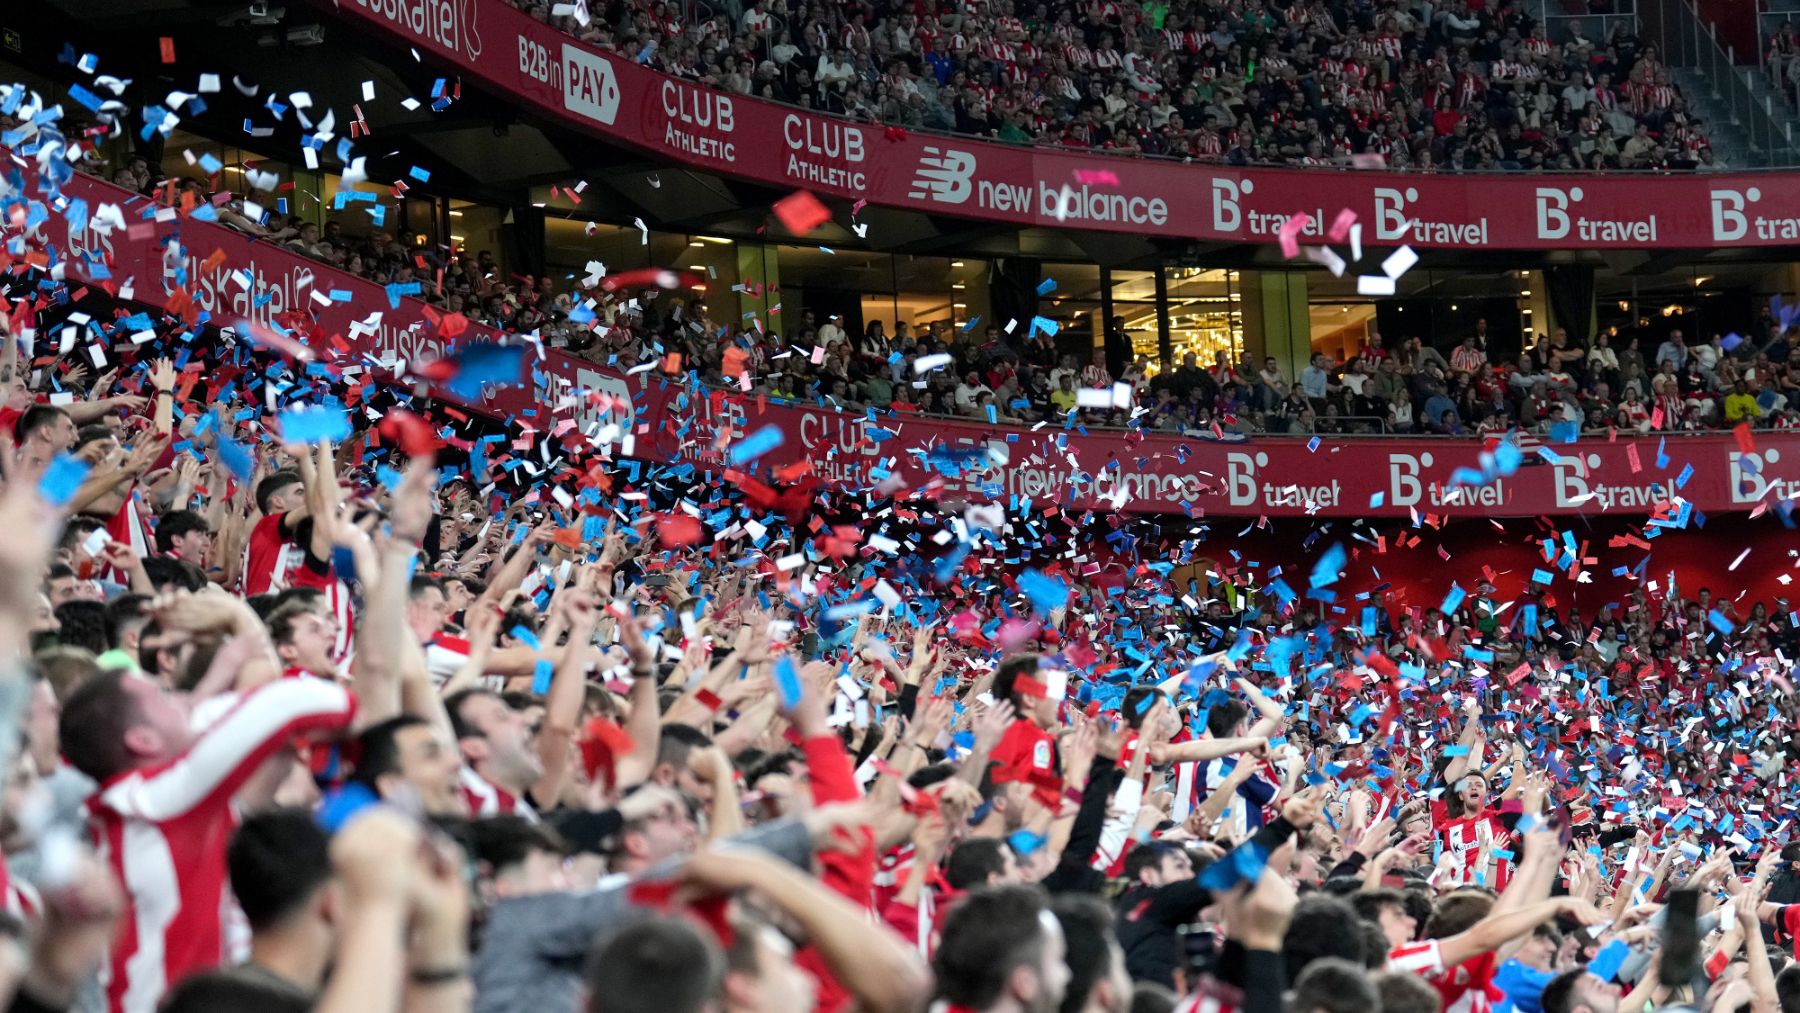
x,y
1596,28
1769,127
1768,25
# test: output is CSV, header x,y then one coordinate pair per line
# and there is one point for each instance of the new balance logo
x,y
945,176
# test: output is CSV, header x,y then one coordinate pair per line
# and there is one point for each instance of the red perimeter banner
x,y
1342,477
621,101
236,279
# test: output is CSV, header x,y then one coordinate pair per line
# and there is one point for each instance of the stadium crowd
x,y
303,725
310,705
1426,85
1005,375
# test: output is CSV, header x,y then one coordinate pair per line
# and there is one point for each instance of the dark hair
x,y
122,612
175,524
1149,997
282,621
311,597
35,417
91,433
1222,719
1456,912
423,583
83,625
278,861
989,934
377,749
1137,704
1335,986
1374,945
676,742
1368,903
1087,926
1559,995
1322,926
501,842
232,990
973,862
1405,992
273,484
1148,855
453,705
653,964
1787,988
95,716
164,571
1006,677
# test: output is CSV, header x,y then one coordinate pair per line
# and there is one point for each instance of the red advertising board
x,y
236,279
1282,476
611,97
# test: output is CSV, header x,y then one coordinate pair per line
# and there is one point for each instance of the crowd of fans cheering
x,y
360,722
1425,85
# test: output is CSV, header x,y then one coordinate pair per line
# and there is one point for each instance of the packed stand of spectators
x,y
303,722
1427,85
451,279
346,733
986,374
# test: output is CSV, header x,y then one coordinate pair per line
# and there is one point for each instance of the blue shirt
x,y
1524,988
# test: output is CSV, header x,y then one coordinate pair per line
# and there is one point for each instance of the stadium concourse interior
x,y
425,587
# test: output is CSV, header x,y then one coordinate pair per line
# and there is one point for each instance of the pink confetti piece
x,y
1290,234
1368,160
1097,177
1340,226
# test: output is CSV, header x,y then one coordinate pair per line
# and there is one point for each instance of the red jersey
x,y
1467,837
163,830
269,556
1466,988
1787,927
486,798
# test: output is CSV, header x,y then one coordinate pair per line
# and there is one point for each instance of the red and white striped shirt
x,y
163,831
269,556
1466,988
486,798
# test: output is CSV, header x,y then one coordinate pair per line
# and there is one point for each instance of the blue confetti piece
x,y
419,174
1024,842
1542,577
1718,622
755,445
1330,565
1687,472
482,365
1454,599
1312,445
235,457
787,683
317,424
1047,286
63,479
1046,593
541,674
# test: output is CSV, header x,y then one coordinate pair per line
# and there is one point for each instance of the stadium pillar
x,y
1165,345
1277,319
760,270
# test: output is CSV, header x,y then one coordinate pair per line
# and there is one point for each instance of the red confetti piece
x,y
801,212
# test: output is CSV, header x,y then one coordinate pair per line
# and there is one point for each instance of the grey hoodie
x,y
532,948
